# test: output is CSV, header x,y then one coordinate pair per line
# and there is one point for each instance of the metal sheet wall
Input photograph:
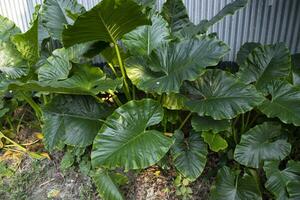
x,y
265,21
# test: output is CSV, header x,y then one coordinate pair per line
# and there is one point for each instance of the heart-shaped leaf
x,y
168,66
107,22
189,154
231,186
144,39
73,120
261,144
277,180
265,64
283,103
215,141
219,95
55,15
125,141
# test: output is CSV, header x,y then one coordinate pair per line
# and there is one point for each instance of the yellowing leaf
x,y
39,136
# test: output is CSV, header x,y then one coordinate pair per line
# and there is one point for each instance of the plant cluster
x,y
159,94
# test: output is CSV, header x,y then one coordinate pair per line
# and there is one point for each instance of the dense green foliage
x,y
158,94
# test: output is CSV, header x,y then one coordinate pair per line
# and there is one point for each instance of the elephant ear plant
x,y
159,94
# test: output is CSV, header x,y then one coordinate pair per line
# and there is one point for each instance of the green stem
x,y
184,121
255,173
10,124
45,99
19,123
126,88
243,123
133,92
234,132
113,69
35,106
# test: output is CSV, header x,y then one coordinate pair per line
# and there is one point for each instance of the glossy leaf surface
x,y
283,102
264,64
144,39
278,180
107,22
219,95
55,15
231,186
215,141
189,154
168,66
125,141
260,144
74,120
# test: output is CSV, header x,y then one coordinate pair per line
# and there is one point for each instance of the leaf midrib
x,y
126,143
106,27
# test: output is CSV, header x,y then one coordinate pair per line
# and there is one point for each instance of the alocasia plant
x,y
159,94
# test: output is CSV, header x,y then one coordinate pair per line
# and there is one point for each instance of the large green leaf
x,y
125,141
144,39
261,143
175,14
283,102
277,180
245,50
74,120
229,9
296,68
86,80
168,66
12,64
7,29
55,15
28,43
264,64
231,186
219,95
215,141
107,21
209,124
58,66
293,190
106,186
189,154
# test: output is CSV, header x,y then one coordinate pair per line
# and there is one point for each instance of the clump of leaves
x,y
159,94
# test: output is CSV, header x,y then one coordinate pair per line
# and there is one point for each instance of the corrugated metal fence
x,y
265,21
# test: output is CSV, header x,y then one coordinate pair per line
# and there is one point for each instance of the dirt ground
x,y
44,180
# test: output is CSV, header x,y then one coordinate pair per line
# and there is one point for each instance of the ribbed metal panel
x,y
265,21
